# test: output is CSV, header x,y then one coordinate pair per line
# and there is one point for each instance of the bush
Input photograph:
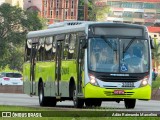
x,y
156,83
7,69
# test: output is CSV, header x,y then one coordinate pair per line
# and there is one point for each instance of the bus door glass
x,y
80,61
32,67
58,67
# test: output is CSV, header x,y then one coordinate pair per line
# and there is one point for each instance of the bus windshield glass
x,y
118,55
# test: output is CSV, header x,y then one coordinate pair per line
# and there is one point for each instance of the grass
x,y
19,108
51,112
156,83
86,118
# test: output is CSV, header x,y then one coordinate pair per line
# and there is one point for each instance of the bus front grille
x,y
119,79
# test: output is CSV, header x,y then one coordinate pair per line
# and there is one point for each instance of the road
x,y
25,100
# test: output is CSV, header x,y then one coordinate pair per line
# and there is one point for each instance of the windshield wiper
x,y
109,43
129,44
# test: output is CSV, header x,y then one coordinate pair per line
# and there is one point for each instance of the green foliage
x,y
31,21
81,10
156,83
14,25
7,69
44,22
156,53
94,13
97,13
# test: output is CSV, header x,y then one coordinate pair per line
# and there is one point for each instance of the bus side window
x,y
66,47
28,51
41,49
48,48
72,42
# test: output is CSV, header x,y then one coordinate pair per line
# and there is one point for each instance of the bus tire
x,y
130,103
78,103
89,103
45,101
97,103
93,102
51,101
42,99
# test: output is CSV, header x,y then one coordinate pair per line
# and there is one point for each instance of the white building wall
x,y
2,1
13,2
37,3
17,2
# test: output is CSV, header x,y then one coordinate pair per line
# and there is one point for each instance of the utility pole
x,y
85,10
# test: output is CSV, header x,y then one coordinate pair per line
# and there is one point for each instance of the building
x,y
59,10
18,3
2,1
145,12
33,5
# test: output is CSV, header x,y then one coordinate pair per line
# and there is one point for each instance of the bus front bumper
x,y
91,91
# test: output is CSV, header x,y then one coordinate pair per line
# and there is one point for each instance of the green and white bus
x,y
88,62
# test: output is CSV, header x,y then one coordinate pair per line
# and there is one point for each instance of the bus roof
x,y
72,26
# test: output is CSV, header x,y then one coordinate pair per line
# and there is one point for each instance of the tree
x,y
81,10
97,13
14,25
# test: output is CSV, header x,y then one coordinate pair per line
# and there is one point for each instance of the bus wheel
x,y
78,103
42,99
130,103
45,101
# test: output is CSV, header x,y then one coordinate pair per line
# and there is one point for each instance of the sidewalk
x,y
155,94
11,89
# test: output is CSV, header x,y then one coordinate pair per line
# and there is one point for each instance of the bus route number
x,y
128,84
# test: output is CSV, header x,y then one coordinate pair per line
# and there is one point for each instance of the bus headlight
x,y
144,81
93,80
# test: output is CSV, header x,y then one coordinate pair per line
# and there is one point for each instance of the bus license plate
x,y
119,92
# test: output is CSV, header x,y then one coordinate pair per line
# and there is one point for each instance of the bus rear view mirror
x,y
82,37
152,43
84,43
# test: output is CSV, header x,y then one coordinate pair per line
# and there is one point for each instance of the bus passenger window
x,y
28,50
53,49
72,42
66,47
41,50
48,48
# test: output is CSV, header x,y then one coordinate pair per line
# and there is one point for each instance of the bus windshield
x,y
118,55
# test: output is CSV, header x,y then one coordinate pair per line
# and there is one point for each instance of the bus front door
x,y
32,69
80,61
58,68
